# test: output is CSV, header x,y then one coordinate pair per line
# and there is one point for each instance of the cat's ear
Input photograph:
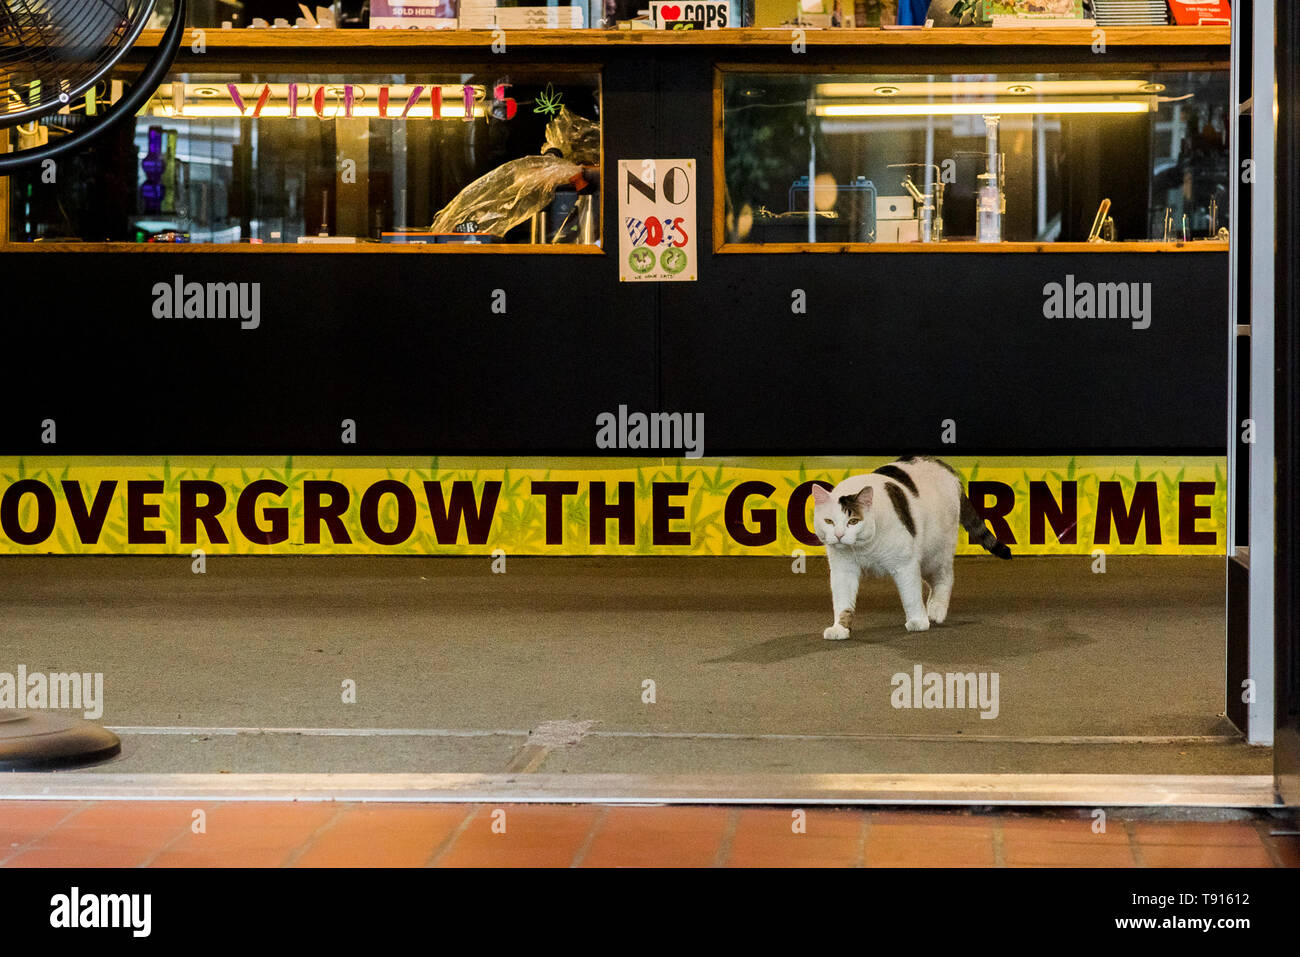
x,y
820,495
864,498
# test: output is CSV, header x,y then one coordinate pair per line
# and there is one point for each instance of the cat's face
x,y
845,519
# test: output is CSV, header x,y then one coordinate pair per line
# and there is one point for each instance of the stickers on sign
x,y
656,208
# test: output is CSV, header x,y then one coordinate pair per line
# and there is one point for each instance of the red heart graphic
x,y
670,13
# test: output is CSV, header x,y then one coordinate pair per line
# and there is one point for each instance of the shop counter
x,y
868,335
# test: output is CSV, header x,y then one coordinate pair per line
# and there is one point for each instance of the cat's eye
x,y
830,521
854,521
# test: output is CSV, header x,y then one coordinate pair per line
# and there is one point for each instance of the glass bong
x,y
931,213
151,191
991,195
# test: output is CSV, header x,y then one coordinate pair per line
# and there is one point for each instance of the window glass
x,y
833,158
227,158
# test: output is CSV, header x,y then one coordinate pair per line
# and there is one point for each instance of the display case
x,y
293,137
306,156
585,340
851,159
579,339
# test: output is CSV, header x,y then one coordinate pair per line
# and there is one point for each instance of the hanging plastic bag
x,y
575,137
509,195
514,192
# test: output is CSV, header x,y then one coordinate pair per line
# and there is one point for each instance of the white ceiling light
x,y
990,107
967,88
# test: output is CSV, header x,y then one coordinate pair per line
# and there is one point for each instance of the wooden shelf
x,y
1200,246
1193,246
417,249
320,39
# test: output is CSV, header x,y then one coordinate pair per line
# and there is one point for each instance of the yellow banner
x,y
566,506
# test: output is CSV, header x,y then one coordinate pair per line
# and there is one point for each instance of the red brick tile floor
x,y
156,834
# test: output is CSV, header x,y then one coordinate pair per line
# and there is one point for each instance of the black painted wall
x,y
408,347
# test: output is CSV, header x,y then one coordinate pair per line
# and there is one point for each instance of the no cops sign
x,y
656,214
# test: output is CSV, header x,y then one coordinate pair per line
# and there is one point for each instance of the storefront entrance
x,y
246,521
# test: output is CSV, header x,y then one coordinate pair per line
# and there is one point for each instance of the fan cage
x,y
53,51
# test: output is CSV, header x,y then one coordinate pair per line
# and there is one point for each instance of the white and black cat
x,y
902,520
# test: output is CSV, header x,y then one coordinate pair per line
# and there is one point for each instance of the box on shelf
x,y
540,18
488,14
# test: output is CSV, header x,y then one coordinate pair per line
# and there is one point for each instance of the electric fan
x,y
53,51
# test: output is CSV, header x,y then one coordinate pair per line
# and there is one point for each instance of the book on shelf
x,y
1036,23
1042,11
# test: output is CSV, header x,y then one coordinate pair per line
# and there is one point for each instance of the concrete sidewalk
x,y
470,662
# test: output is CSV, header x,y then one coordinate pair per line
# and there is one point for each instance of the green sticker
x,y
641,260
673,260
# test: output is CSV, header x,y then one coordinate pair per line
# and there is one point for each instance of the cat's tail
x,y
980,533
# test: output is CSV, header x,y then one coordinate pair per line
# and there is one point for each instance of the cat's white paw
x,y
936,611
918,624
835,633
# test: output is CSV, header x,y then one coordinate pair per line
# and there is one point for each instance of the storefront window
x,y
340,158
1029,157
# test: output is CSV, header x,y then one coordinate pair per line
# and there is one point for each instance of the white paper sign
x,y
708,14
657,224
